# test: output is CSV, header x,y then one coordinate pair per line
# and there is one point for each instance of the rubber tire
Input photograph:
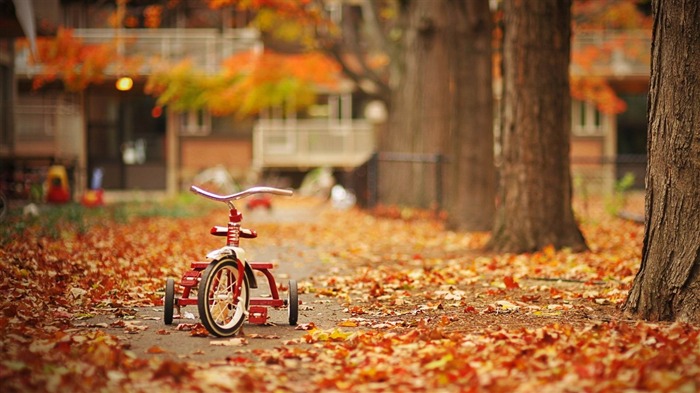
x,y
169,301
205,310
293,303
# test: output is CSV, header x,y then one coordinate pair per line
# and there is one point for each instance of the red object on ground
x,y
93,198
57,195
261,201
57,190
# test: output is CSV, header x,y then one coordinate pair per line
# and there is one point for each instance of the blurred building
x,y
605,147
139,147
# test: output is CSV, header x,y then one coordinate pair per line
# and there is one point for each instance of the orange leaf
x,y
155,350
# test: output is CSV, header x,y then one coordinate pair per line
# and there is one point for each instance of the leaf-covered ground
x,y
424,309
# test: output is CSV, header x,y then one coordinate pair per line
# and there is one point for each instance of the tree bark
x,y
470,174
442,106
535,190
667,286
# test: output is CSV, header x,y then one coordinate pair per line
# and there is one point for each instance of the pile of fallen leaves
x,y
425,309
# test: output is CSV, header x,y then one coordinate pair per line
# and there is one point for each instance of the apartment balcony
x,y
605,53
206,48
312,143
609,53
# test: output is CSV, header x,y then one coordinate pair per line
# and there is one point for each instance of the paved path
x,y
146,335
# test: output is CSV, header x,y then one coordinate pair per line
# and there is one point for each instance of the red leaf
x,y
510,282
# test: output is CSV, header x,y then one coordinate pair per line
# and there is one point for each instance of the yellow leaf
x,y
347,323
440,363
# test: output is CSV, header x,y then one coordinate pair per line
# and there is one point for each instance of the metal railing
x,y
612,52
206,48
312,143
618,52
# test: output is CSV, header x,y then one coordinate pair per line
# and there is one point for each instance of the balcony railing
x,y
312,143
610,53
207,48
616,53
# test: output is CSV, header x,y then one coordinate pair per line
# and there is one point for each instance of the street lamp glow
x,y
124,83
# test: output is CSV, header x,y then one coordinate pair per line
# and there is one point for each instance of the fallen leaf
x,y
232,342
155,350
305,326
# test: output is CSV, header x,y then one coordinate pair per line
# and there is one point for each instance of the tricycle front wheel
x,y
221,312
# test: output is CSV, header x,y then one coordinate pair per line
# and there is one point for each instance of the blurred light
x,y
157,111
375,112
124,83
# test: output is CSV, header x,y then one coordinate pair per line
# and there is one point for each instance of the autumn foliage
x,y
625,31
249,82
67,58
424,309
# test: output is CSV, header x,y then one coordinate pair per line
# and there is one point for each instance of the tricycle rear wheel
x,y
293,303
169,301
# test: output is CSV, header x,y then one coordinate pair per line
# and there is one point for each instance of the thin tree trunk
x,y
667,286
535,192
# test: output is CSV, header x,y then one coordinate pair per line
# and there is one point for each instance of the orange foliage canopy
x,y
269,66
620,18
597,90
77,64
68,58
249,83
609,14
286,7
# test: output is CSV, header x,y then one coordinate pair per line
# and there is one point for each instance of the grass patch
x,y
57,221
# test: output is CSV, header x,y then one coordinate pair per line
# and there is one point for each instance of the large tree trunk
x,y
535,185
442,105
667,286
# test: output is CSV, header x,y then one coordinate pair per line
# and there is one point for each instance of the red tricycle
x,y
223,283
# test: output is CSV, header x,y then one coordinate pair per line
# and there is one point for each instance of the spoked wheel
x,y
221,313
293,303
169,301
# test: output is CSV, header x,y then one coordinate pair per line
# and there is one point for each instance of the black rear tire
x,y
169,301
293,303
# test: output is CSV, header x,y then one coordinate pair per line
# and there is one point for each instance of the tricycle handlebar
x,y
242,194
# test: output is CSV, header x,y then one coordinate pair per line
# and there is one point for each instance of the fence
x,y
590,175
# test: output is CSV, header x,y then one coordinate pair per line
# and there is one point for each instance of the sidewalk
x,y
145,334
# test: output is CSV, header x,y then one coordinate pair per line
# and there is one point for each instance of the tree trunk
x,y
442,106
667,286
535,190
470,174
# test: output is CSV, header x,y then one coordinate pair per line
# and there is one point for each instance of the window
x,y
38,116
586,119
195,122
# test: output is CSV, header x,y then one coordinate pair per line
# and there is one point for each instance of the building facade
x,y
139,146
